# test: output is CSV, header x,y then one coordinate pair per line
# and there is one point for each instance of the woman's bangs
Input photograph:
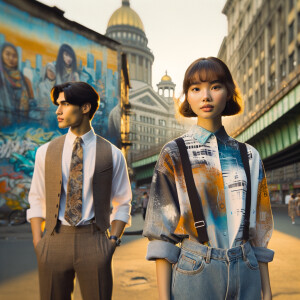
x,y
206,71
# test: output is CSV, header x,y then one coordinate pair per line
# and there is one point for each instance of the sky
x,y
178,31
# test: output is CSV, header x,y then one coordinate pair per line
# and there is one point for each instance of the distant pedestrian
x,y
145,200
292,208
298,204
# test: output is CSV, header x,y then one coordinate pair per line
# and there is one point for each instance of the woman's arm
x,y
265,281
163,274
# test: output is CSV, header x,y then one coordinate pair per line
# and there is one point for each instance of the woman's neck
x,y
211,125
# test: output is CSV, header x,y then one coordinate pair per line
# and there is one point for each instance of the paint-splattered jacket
x,y
221,183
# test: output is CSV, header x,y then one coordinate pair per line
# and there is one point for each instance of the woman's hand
x,y
163,275
265,281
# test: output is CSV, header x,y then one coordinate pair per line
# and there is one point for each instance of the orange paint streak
x,y
3,188
33,45
112,60
212,182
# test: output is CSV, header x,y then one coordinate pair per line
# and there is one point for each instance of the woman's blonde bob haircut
x,y
205,70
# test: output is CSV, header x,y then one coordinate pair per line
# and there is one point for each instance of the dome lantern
x,y
166,87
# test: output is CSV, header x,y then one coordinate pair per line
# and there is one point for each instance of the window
x,y
162,123
272,55
291,62
271,82
250,104
262,67
271,28
262,91
291,32
283,69
291,4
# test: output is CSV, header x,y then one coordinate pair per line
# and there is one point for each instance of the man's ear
x,y
86,107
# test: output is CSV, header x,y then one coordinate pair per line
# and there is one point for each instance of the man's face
x,y
68,115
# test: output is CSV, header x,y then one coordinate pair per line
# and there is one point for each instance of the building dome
x,y
126,27
166,77
126,16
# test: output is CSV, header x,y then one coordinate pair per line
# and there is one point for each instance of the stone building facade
x,y
262,49
152,121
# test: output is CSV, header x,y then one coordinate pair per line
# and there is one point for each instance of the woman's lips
x,y
207,108
59,119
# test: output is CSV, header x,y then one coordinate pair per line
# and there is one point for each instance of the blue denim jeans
x,y
215,274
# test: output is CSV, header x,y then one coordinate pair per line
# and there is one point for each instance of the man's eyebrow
x,y
61,101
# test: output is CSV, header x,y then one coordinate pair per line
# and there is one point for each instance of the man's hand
x,y
36,228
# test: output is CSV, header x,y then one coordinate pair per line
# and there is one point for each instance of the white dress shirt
x,y
120,192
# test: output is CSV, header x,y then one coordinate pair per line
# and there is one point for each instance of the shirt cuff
x,y
160,249
121,216
30,213
263,254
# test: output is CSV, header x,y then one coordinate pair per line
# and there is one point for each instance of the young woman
x,y
15,88
229,265
66,65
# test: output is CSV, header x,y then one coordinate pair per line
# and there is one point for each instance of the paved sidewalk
x,y
134,277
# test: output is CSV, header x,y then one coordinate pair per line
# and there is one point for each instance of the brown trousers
x,y
83,250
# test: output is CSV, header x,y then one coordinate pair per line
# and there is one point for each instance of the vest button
x,y
55,216
58,195
56,205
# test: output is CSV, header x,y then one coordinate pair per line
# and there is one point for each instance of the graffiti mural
x,y
34,56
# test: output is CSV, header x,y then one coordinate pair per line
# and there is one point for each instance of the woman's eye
x,y
216,87
195,89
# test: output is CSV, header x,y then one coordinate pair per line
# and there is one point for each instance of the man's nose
x,y
58,111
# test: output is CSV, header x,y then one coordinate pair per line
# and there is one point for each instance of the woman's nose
x,y
206,95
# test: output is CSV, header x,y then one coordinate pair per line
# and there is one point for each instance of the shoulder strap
x,y
194,197
245,160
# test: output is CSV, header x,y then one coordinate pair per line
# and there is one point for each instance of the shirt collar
x,y
86,138
202,135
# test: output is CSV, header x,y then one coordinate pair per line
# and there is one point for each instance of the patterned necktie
x,y
74,189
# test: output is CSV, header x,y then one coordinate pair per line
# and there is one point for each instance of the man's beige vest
x,y
102,182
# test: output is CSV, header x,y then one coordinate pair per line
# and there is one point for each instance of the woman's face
x,y
207,99
67,58
50,74
10,57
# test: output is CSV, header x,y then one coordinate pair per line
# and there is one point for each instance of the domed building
x,y
126,27
152,121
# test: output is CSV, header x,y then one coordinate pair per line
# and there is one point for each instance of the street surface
x,y
134,277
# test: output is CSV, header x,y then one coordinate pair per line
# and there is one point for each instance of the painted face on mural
x,y
68,115
10,57
67,58
50,74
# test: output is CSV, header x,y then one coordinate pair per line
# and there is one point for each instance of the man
x,y
77,178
